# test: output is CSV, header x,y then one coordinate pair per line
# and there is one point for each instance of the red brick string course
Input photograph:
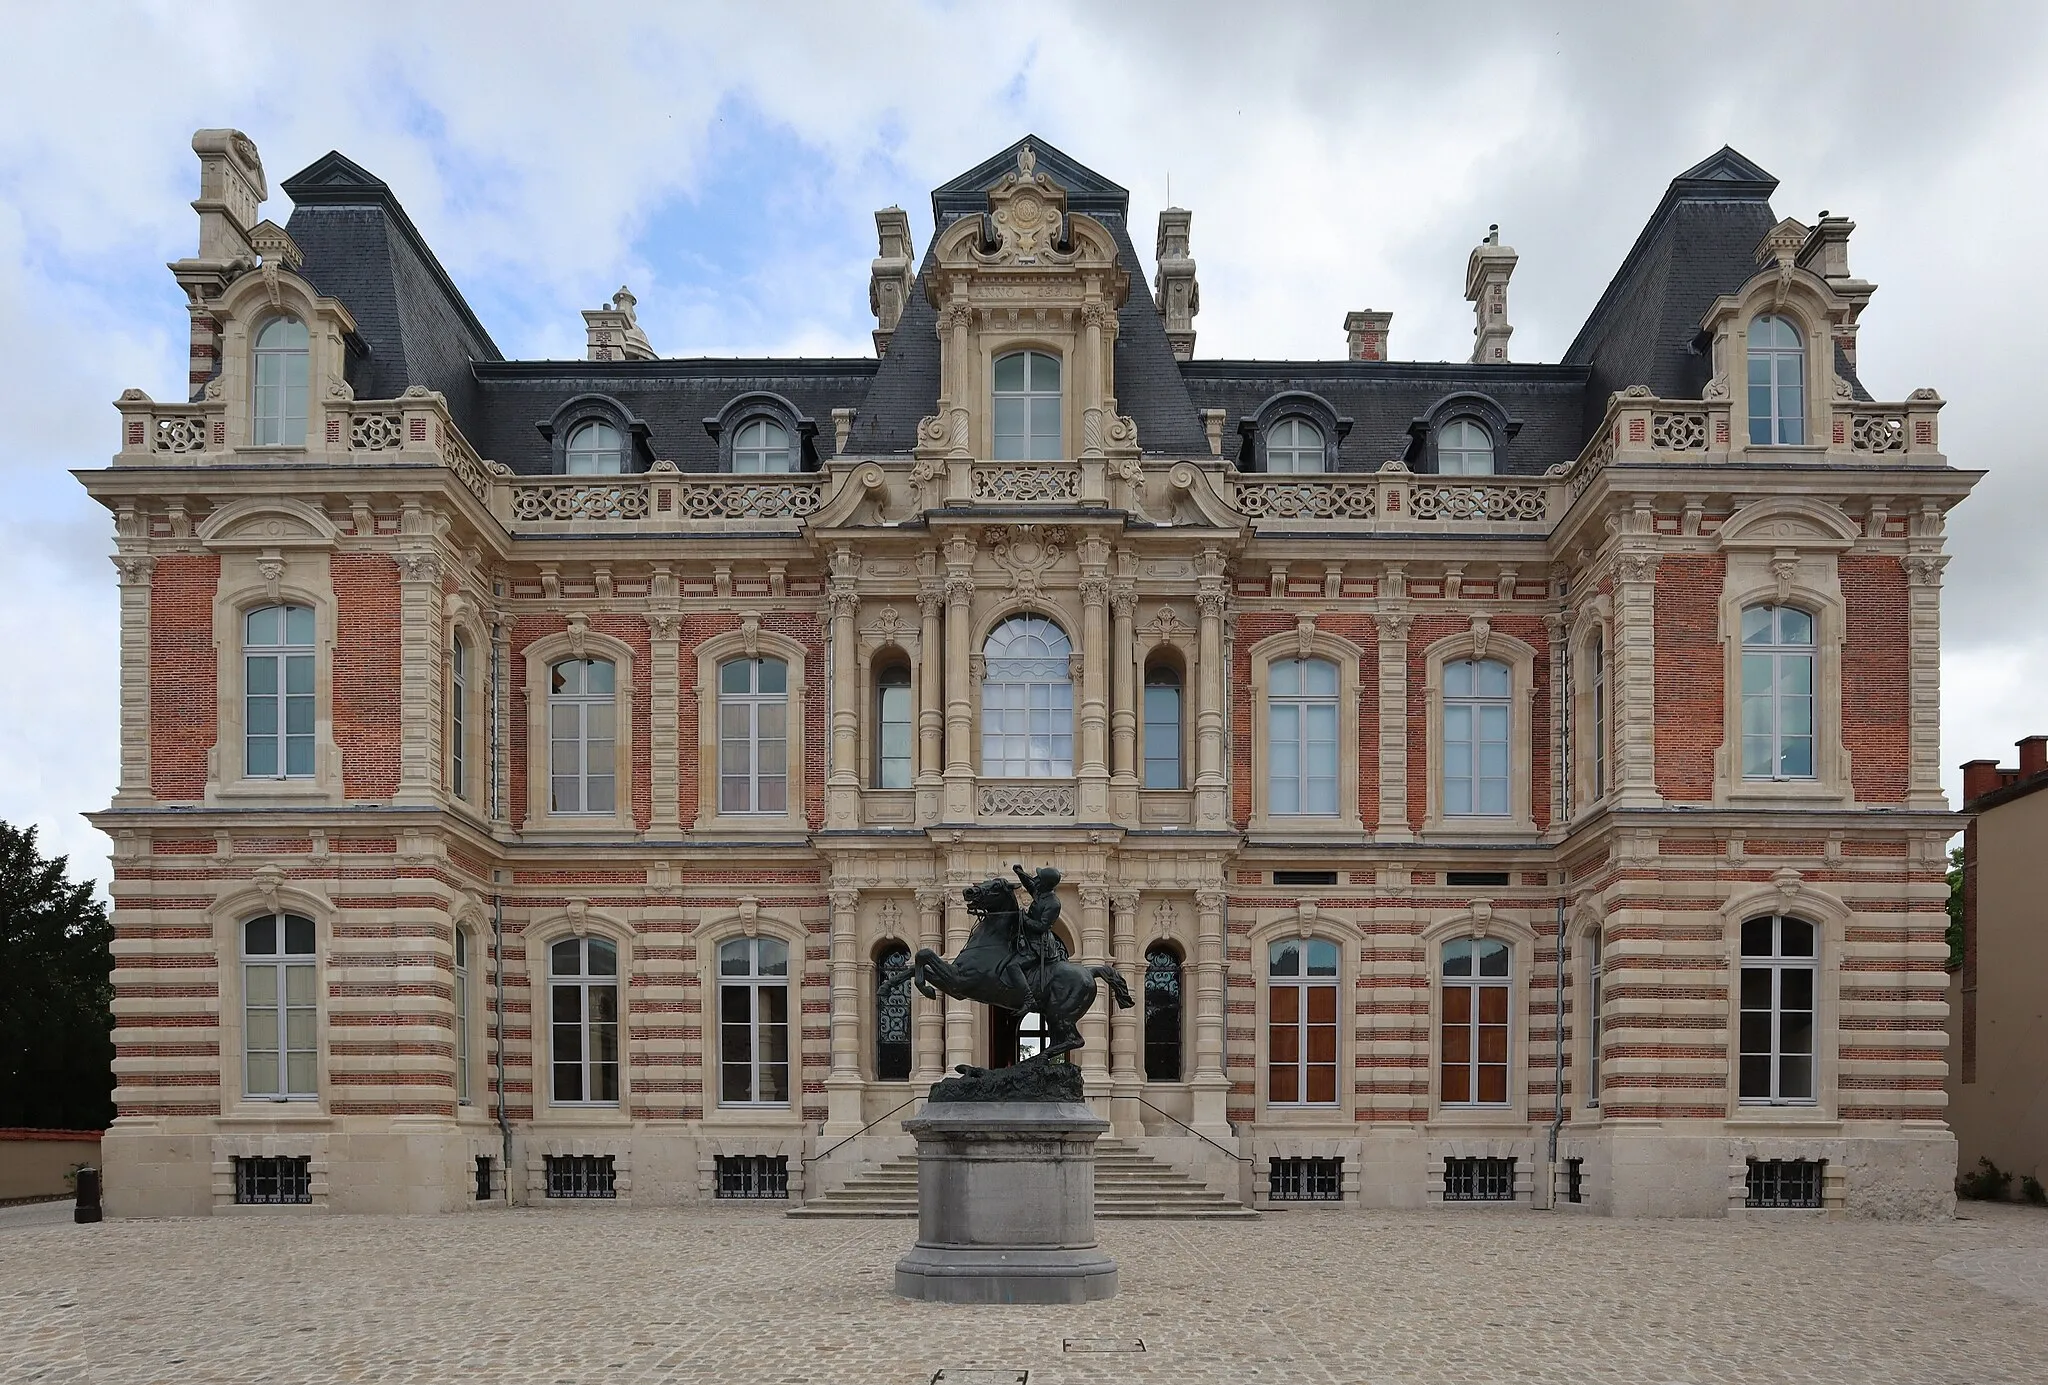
x,y
183,707
365,673
1690,683
1875,691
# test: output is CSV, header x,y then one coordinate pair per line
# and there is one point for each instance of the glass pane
x,y
298,713
1458,957
1493,957
1458,678
1797,759
263,1072
734,957
774,957
1010,373
1322,957
1795,1077
262,1028
263,625
298,935
565,958
604,958
1045,371
1755,1079
1795,1033
1756,988
259,936
298,624
1756,1031
1284,678
1798,938
1795,989
1321,678
298,1028
1046,442
1494,679
1794,626
1283,959
568,1081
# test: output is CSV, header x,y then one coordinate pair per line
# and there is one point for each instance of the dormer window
x,y
594,449
1293,446
1465,448
279,391
762,445
1777,383
1027,408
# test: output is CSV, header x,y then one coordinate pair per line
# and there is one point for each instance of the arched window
x,y
280,1009
278,392
753,1022
1027,701
1301,1022
594,449
762,445
892,726
1596,674
1473,1052
1779,959
1162,1013
1294,445
1162,727
277,669
1777,382
1592,1027
462,1016
892,1015
458,709
583,1021
1778,654
1027,407
1464,448
1476,720
753,736
1301,734
583,736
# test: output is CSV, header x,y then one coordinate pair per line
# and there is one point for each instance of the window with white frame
x,y
1293,446
1472,1045
1779,961
1162,727
1477,714
1464,448
462,1016
583,736
277,670
595,448
458,715
1592,1029
1027,701
1596,678
753,1022
1777,383
762,445
893,739
753,736
1778,655
583,1021
278,383
1301,1022
280,1009
1301,738
1027,407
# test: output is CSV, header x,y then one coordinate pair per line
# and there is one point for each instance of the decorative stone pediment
x,y
267,523
1789,522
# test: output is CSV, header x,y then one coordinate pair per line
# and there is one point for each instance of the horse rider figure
x,y
1034,942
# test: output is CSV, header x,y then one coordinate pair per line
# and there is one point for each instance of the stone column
x,y
1094,775
959,779
422,664
135,570
931,700
842,783
1212,788
843,1085
1923,681
1393,692
1635,679
1564,748
1211,1084
1123,705
929,1051
1095,1024
959,1014
664,709
1126,1027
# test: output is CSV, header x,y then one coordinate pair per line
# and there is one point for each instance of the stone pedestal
x,y
1006,1205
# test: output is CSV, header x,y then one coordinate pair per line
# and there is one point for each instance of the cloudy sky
x,y
725,161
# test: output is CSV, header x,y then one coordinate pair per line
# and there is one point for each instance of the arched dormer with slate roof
x,y
743,441
1258,430
1427,432
564,430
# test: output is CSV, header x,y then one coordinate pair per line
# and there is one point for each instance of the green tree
x,y
1955,908
56,993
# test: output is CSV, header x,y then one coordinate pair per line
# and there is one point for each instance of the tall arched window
x,y
583,1021
594,449
892,726
1476,721
1162,1013
583,736
1162,727
753,736
753,1022
277,669
1027,701
458,715
1596,674
280,1009
1778,653
1301,736
278,387
1473,1048
1464,448
462,1016
1779,959
1027,407
1301,1022
1293,446
892,1014
1777,382
762,445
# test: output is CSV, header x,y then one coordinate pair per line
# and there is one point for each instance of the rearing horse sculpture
x,y
1011,959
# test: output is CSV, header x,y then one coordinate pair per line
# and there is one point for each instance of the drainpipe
x,y
498,947
1557,1089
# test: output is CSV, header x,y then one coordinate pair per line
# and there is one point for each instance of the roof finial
x,y
1493,234
1027,160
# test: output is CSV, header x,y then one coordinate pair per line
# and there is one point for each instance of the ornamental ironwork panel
x,y
892,1017
1305,1180
268,1179
1785,1182
581,1175
1479,1180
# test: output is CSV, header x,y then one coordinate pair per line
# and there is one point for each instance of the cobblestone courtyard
x,y
602,1294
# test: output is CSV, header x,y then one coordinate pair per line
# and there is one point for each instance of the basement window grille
x,y
483,1178
582,1175
1479,1180
1475,877
1305,1180
1574,1180
273,1179
1304,877
752,1175
1785,1182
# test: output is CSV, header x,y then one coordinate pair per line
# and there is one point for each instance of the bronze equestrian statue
x,y
1013,960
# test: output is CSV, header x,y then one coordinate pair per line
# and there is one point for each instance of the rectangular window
x,y
747,1176
753,1022
893,739
1785,1182
583,736
1304,877
1575,1180
277,669
1162,732
1599,699
280,1009
753,736
1475,740
461,1017
584,1021
273,1179
1778,654
1305,1180
1301,1022
1593,1003
1473,1026
458,694
483,1178
1777,1005
1475,877
1301,737
581,1175
1479,1180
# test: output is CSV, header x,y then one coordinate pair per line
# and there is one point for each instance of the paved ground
x,y
734,1297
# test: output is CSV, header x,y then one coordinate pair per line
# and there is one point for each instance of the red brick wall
x,y
805,630
365,673
183,710
1875,714
1254,626
1690,679
1427,630
632,631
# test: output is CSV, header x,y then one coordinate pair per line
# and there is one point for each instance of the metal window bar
x,y
483,1178
268,1179
752,1175
1785,1182
1305,1180
1574,1180
1479,1180
582,1175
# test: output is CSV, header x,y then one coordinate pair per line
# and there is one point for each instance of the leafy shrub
x,y
2032,1191
1986,1183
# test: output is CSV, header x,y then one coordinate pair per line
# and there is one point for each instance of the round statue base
x,y
1006,1205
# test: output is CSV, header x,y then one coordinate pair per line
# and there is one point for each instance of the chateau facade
x,y
1500,781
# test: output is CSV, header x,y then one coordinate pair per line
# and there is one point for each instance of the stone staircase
x,y
1129,1185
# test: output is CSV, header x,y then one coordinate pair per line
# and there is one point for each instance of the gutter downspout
x,y
498,948
1557,1090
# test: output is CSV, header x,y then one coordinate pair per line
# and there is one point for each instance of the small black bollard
x,y
88,1209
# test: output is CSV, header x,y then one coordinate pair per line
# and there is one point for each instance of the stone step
x,y
1130,1185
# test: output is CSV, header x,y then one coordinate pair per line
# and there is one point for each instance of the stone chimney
x,y
231,189
1826,252
1365,334
1175,287
891,275
614,331
1486,289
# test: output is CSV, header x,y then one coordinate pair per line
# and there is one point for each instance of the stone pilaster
x,y
843,1085
664,707
842,783
931,700
1126,1027
1123,704
422,665
1212,788
959,785
135,570
959,1014
1210,1082
1563,734
1094,767
1095,1024
929,1050
1635,679
1393,718
1923,680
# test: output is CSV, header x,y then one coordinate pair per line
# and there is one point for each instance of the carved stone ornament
x,y
1784,571
268,880
1482,633
1027,552
750,632
1304,635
